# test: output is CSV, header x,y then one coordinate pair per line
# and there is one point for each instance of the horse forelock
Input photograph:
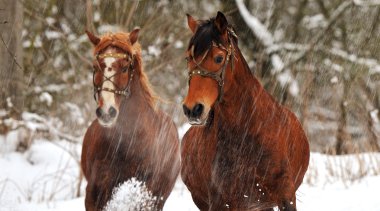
x,y
120,40
204,36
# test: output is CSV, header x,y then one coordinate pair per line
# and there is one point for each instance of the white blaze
x,y
108,97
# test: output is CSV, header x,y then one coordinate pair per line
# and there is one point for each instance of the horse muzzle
x,y
108,117
196,115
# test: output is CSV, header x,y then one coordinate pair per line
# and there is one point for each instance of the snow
x,y
334,80
45,97
50,20
45,178
257,27
96,16
374,115
316,21
154,50
131,195
284,76
178,44
51,35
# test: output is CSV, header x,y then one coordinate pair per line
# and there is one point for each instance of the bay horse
x,y
244,151
131,138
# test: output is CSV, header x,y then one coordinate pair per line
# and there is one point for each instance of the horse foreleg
x,y
201,204
287,206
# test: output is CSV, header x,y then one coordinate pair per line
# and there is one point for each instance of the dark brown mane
x,y
121,40
204,36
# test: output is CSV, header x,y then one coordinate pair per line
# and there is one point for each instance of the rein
x,y
218,76
127,90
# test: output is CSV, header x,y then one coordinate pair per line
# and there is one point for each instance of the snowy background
x,y
320,58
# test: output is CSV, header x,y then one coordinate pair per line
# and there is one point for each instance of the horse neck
x,y
242,99
139,107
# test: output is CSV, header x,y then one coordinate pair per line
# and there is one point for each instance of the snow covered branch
x,y
367,3
284,75
333,18
372,64
35,122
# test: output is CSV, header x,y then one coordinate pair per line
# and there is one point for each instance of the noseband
x,y
218,76
127,90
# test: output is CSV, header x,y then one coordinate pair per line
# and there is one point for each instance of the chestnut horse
x,y
130,138
244,150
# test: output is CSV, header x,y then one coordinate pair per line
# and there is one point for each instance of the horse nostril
x,y
186,110
99,112
197,110
112,112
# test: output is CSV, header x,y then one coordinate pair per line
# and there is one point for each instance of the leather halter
x,y
218,76
127,90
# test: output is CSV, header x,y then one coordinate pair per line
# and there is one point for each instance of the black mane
x,y
204,36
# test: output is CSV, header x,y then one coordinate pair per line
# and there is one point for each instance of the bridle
x,y
118,91
218,76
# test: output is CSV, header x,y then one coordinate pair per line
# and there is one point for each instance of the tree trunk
x,y
342,136
11,71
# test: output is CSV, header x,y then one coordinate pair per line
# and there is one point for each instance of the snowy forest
x,y
319,58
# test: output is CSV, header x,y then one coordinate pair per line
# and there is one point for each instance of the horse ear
x,y
221,22
192,23
94,39
134,35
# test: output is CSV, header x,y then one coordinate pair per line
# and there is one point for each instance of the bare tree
x,y
11,73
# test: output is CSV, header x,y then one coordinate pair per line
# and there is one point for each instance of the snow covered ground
x,y
45,178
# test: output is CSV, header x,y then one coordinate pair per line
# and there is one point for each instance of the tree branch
x,y
333,18
10,53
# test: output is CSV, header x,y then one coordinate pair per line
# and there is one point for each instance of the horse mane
x,y
206,33
121,40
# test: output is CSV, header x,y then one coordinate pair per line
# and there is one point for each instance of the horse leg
x,y
287,206
89,203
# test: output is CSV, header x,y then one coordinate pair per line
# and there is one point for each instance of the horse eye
x,y
218,59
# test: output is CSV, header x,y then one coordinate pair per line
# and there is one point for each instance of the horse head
x,y
210,56
114,66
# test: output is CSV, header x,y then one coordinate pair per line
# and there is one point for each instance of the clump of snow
x,y
54,9
316,21
178,44
277,63
96,16
33,121
51,35
293,88
9,102
153,50
9,142
46,98
131,195
374,115
38,42
50,20
334,80
26,44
